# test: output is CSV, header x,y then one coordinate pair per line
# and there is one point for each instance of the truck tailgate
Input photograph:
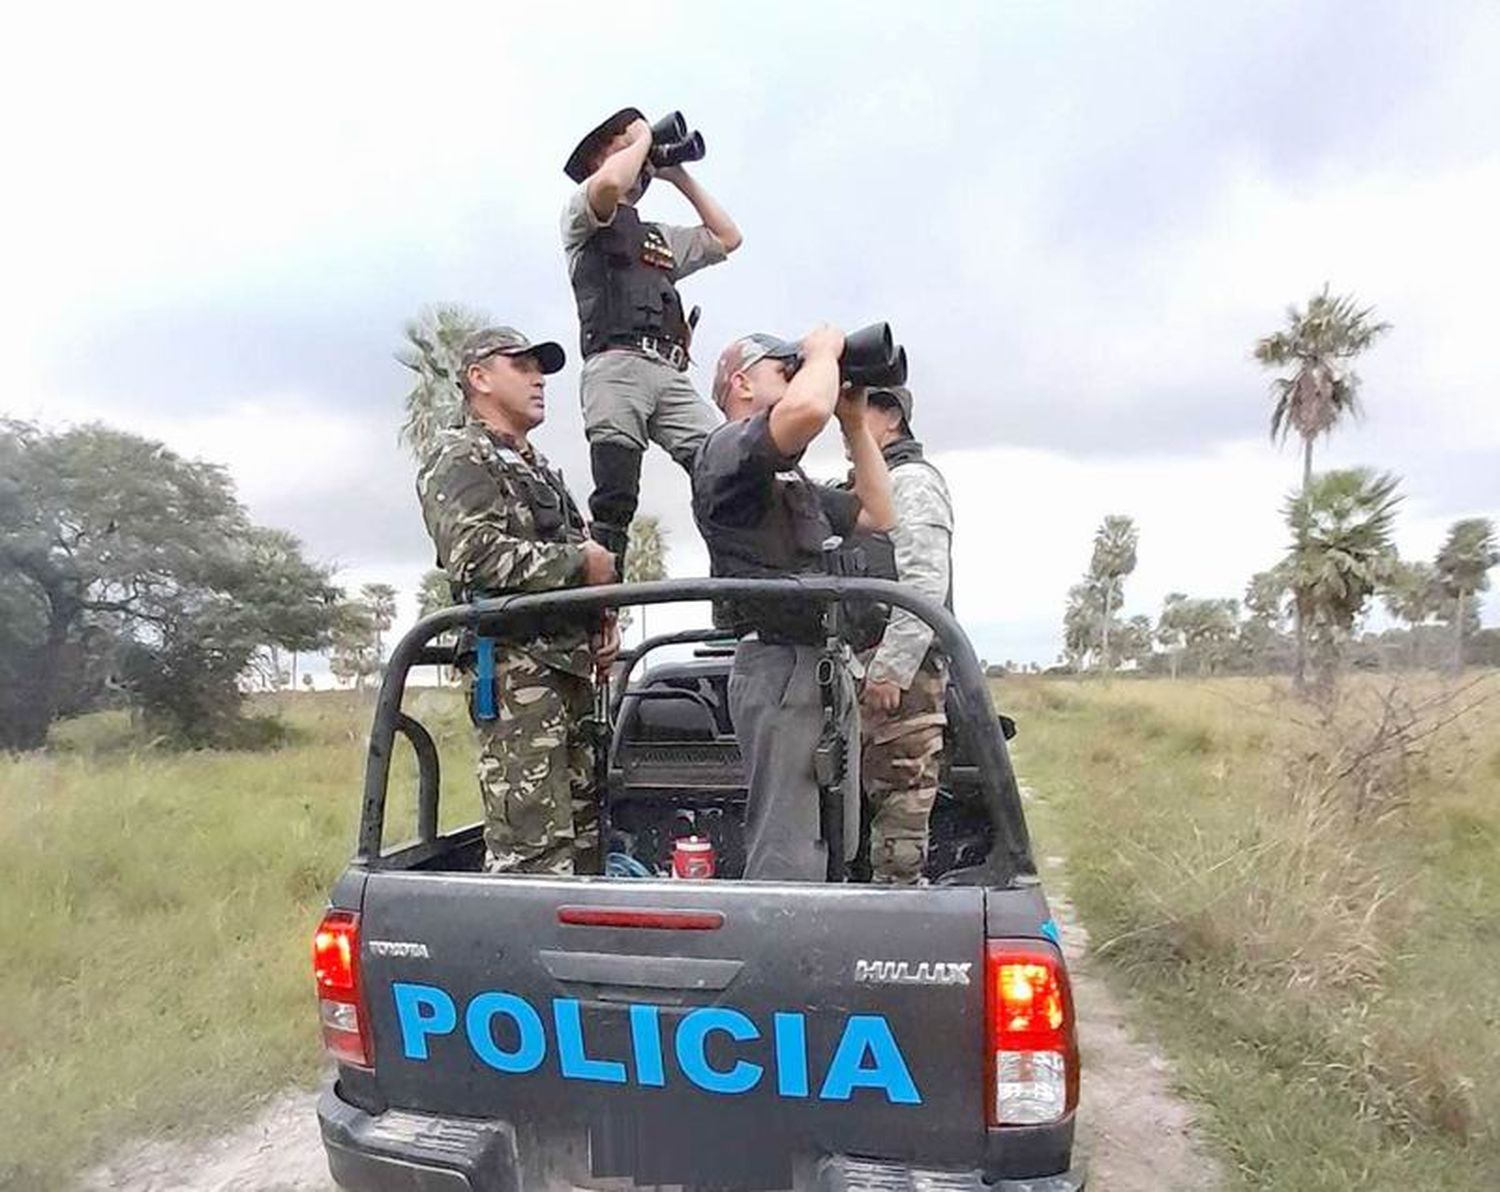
x,y
680,1022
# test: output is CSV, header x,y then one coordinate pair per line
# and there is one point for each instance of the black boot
x,y
617,487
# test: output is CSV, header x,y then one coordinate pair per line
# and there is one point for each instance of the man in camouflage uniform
x,y
906,676
502,521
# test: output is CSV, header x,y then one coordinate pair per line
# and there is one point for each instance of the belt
x,y
667,351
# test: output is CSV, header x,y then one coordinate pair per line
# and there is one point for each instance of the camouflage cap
x,y
898,395
577,165
507,341
745,352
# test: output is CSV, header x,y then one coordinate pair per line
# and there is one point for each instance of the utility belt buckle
x,y
672,354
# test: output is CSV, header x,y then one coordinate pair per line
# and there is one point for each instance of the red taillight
x,y
1031,1048
336,973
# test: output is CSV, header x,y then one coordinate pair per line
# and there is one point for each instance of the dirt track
x,y
1137,1132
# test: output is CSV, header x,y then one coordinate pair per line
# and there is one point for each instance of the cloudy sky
x,y
1078,217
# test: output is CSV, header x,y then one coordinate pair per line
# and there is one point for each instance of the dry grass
x,y
1305,900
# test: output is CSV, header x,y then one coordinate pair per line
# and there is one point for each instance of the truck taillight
x,y
1031,1046
336,972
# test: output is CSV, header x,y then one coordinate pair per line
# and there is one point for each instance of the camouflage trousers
x,y
902,756
535,770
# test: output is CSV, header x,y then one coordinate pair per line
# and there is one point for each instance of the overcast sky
x,y
1078,217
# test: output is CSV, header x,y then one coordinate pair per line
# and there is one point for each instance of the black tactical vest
x,y
622,280
787,540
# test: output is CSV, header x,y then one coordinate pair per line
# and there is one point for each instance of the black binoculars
x,y
872,356
672,143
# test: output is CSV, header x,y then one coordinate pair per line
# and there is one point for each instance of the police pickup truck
x,y
515,1032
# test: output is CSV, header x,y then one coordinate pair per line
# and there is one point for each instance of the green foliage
x,y
131,569
645,560
1318,344
1463,566
433,593
354,654
434,340
1323,983
1342,553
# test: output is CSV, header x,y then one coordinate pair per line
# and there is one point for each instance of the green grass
x,y
1328,983
157,916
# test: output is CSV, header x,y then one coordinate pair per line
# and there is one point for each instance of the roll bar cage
x,y
1010,854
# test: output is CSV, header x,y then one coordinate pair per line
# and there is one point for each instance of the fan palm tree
x,y
434,340
1114,558
1412,597
1317,345
380,599
645,558
1342,553
1463,569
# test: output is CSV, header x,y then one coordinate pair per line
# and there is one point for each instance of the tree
x,y
1172,627
645,560
1209,629
124,567
1317,345
433,593
1082,621
354,655
380,599
1114,558
1463,570
434,341
1134,641
1262,633
1412,596
1341,554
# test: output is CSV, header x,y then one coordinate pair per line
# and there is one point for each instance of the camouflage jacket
x,y
923,540
502,521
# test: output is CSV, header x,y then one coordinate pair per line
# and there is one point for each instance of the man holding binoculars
x,y
763,518
634,333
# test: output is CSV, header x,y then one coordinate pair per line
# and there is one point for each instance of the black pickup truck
x,y
514,1032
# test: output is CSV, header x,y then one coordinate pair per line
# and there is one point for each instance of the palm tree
x,y
1341,553
1318,344
1463,569
1411,593
433,342
645,558
380,599
1114,558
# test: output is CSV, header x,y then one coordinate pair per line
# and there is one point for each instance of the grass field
x,y
1327,983
157,924
1311,923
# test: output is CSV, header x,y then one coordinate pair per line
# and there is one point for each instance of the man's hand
x,y
637,129
606,645
598,564
881,696
850,410
822,343
676,175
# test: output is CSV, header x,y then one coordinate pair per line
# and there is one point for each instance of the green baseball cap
x,y
507,341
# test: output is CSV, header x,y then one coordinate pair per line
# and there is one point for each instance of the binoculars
x,y
672,143
871,356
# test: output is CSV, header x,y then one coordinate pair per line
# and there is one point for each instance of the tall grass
x,y
1306,905
157,913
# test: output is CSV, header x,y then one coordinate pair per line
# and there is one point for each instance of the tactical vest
x,y
555,518
622,280
787,540
874,555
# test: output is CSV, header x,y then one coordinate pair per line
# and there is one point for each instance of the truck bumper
x,y
400,1151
